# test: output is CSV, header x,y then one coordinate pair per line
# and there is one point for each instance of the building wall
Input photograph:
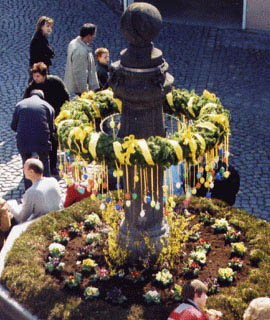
x,y
258,13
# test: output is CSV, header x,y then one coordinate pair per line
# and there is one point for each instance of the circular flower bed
x,y
79,279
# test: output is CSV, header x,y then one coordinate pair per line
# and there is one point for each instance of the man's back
x,y
33,122
186,311
41,198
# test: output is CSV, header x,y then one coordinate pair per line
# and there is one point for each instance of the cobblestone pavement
x,y
232,63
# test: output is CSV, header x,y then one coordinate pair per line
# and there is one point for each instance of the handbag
x,y
5,223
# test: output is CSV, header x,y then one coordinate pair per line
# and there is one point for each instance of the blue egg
x,y
148,199
117,206
198,175
218,176
108,199
208,195
85,176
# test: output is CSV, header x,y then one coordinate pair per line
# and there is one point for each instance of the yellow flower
x,y
89,263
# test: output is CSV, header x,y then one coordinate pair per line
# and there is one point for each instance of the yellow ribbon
x,y
119,104
189,107
209,95
201,140
145,151
221,119
129,144
177,149
205,108
169,98
117,147
93,144
74,132
206,125
96,109
63,115
85,131
188,139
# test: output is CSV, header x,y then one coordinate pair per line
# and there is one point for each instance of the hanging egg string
x,y
157,207
152,203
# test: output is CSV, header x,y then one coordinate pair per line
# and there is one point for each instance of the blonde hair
x,y
99,52
42,20
258,309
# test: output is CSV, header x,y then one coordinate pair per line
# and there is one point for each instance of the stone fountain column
x,y
141,81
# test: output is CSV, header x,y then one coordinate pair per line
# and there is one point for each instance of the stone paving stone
x,y
232,63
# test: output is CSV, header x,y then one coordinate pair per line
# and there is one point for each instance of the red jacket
x,y
187,311
73,195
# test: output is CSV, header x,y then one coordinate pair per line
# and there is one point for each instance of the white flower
x,y
56,249
93,219
91,237
164,276
91,292
199,256
152,296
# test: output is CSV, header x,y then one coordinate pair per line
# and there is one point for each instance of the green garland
x,y
205,125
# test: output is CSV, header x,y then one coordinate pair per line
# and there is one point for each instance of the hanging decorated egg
x,y
128,203
208,195
222,170
226,174
218,177
61,167
148,199
85,176
178,185
99,196
117,206
134,196
127,196
194,191
108,199
81,190
136,179
157,207
198,175
102,206
142,213
202,180
153,203
93,196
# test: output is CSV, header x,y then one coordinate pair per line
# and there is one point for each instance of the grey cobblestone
x,y
232,63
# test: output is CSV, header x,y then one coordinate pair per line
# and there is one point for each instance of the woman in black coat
x,y
40,51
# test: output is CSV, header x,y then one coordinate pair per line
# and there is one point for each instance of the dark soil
x,y
219,256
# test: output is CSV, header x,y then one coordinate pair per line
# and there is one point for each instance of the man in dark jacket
x,y
55,93
33,121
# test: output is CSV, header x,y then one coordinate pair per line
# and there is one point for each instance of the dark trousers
x,y
53,155
44,158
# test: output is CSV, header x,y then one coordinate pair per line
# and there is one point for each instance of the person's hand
x,y
212,314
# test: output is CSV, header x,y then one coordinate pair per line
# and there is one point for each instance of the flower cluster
x,y
206,219
91,292
152,296
164,276
115,296
236,263
199,256
238,249
194,236
220,225
61,237
73,281
54,264
92,237
101,274
88,264
226,275
232,235
191,268
56,249
135,275
201,244
212,286
85,252
74,229
177,292
92,220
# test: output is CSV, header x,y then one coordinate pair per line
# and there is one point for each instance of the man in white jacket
x,y
80,74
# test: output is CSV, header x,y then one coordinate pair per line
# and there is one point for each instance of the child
x,y
102,67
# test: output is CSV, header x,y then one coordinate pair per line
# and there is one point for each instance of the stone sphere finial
x,y
140,23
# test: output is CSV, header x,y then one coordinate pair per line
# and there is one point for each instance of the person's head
x,y
39,72
195,290
88,32
258,309
33,169
37,92
103,55
45,25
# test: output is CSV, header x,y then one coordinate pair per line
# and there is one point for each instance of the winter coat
x,y
187,311
55,91
80,74
33,121
40,51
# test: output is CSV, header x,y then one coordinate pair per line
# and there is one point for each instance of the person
x,y
258,309
80,73
40,51
33,121
55,93
194,295
76,191
103,57
43,196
